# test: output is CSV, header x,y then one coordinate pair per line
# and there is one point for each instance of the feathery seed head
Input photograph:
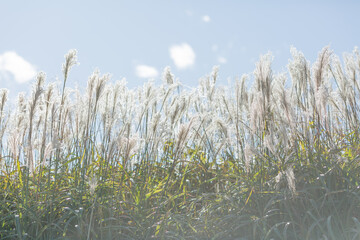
x,y
263,74
299,71
3,98
92,81
101,85
215,73
70,61
321,67
168,77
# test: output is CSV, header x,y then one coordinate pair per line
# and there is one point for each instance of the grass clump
x,y
162,162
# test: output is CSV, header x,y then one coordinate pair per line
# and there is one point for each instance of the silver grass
x,y
222,127
241,92
99,88
128,146
215,74
299,69
3,120
288,109
350,67
140,121
342,81
79,117
320,69
322,97
3,98
48,100
70,61
21,111
14,143
34,101
106,109
263,76
92,81
167,76
155,123
257,112
182,136
352,74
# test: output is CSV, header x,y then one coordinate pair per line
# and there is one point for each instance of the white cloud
x,y
144,71
182,55
222,60
206,18
18,67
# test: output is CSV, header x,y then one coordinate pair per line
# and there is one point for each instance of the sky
x,y
136,40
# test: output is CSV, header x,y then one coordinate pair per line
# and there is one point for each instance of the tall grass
x,y
264,161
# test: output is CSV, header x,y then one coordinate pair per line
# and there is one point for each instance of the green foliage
x,y
188,199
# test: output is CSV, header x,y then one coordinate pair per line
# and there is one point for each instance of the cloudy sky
x,y
136,40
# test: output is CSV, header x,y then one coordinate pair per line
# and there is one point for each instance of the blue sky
x,y
138,39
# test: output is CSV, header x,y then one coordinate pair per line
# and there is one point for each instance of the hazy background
x,y
136,40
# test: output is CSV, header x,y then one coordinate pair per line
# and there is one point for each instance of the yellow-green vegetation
x,y
164,162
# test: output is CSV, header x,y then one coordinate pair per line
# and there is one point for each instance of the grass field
x,y
252,160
